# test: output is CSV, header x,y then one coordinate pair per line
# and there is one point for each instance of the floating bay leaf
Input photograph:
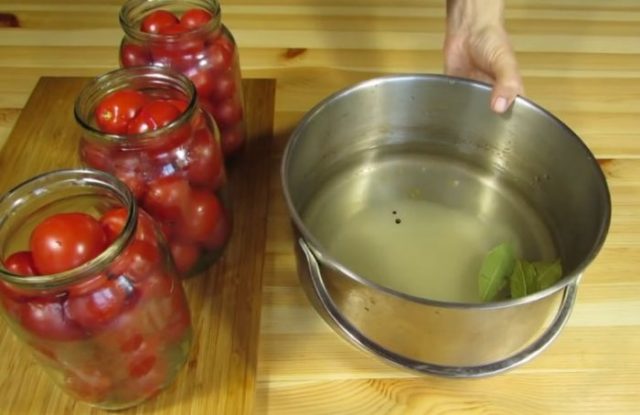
x,y
548,273
517,281
531,277
523,280
496,268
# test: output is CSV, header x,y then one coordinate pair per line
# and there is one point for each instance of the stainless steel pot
x,y
394,133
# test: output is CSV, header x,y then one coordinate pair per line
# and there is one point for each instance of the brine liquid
x,y
422,230
417,247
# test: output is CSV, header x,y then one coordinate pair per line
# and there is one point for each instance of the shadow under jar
x,y
188,36
176,172
114,330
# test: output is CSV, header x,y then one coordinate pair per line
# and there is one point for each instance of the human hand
x,y
477,46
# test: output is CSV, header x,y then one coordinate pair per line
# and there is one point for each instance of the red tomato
x,y
227,113
206,167
179,48
134,182
174,29
89,384
162,313
168,230
178,327
194,18
232,139
147,369
203,80
158,20
157,287
139,260
142,360
127,161
131,344
132,54
96,156
124,332
185,255
220,234
21,263
152,116
202,216
47,320
88,285
11,301
66,240
179,103
130,168
165,312
96,308
163,149
142,366
18,294
146,230
116,110
220,54
167,197
224,87
113,222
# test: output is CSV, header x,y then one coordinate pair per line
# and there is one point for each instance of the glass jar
x,y
176,172
207,54
114,330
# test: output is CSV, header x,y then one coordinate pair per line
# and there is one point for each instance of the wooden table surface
x,y
580,59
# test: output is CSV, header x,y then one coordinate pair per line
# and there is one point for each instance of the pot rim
x,y
329,261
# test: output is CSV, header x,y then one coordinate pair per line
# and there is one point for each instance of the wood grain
x,y
579,59
225,302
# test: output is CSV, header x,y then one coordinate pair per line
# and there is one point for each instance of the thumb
x,y
508,83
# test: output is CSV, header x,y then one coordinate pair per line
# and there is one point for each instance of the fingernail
x,y
500,105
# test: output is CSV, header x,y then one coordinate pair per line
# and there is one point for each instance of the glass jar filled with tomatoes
x,y
86,284
188,36
144,125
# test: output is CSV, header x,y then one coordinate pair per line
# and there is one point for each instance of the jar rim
x,y
115,80
131,8
36,187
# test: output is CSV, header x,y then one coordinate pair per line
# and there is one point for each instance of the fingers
x,y
486,56
508,83
504,93
456,61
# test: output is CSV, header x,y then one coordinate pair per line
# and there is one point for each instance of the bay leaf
x,y
531,277
523,280
548,273
496,268
517,281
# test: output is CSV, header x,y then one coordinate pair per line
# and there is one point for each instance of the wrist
x,y
474,15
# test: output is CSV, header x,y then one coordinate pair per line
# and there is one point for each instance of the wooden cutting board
x,y
219,377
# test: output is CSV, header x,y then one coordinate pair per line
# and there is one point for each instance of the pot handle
x,y
333,316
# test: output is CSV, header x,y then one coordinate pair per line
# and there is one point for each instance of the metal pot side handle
x,y
335,318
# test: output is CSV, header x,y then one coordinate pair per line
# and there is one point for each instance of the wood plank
x,y
560,393
8,117
225,302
